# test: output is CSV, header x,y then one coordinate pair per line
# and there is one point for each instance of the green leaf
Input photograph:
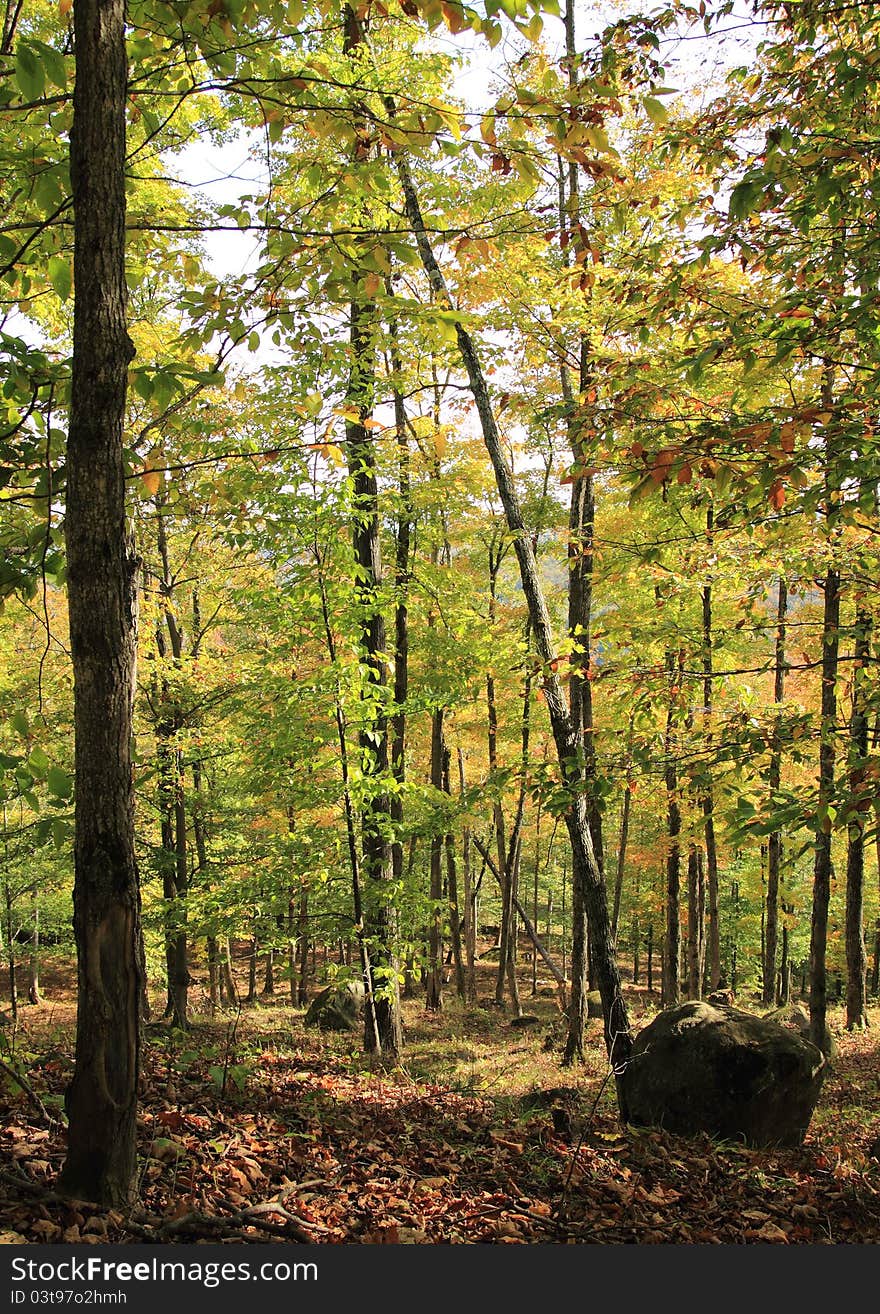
x,y
59,782
20,724
29,73
743,199
38,763
655,110
60,276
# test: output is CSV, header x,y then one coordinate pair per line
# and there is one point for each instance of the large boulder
x,y
338,1007
703,1067
797,1018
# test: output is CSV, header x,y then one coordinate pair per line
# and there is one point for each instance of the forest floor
x,y
255,1128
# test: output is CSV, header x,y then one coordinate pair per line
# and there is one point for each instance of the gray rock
x,y
338,1007
702,1067
798,1018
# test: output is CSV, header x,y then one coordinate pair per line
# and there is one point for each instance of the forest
x,y
439,701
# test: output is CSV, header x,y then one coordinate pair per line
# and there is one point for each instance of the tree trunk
x,y
672,955
11,965
696,922
823,869
621,859
213,974
102,604
34,956
302,987
588,873
707,801
401,614
434,997
470,920
774,839
382,1026
860,798
452,891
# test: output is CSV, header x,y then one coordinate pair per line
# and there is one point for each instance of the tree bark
x,y
102,603
823,869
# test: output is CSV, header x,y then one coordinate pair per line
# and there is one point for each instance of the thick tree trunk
x,y
102,602
382,1025
588,873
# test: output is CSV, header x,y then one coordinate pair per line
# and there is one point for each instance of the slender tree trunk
x,y
302,942
452,891
672,955
11,965
823,869
251,996
707,801
102,604
213,974
34,956
581,536
621,859
434,996
860,803
470,921
774,839
530,930
591,883
401,613
696,922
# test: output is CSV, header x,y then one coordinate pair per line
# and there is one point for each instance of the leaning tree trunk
x,y
102,603
618,1036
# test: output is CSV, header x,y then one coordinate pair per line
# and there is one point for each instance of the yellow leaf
x,y
151,479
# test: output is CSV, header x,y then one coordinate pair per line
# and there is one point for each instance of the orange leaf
x,y
776,496
151,479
